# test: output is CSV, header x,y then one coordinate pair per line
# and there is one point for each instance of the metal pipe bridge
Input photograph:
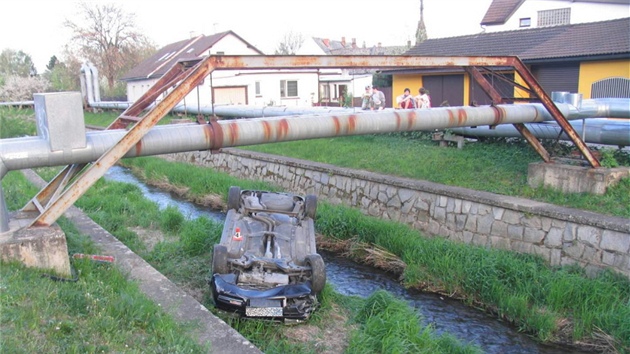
x,y
86,166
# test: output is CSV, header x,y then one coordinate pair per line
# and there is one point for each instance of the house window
x,y
257,88
325,94
525,22
288,88
554,17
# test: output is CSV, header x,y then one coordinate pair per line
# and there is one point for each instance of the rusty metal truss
x,y
74,180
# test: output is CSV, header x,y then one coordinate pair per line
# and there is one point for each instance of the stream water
x,y
350,278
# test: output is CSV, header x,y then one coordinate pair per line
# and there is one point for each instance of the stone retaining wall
x,y
560,235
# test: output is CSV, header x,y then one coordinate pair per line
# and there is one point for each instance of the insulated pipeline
x,y
32,152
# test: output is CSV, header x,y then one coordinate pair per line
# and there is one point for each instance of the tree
x,y
290,43
109,39
16,63
64,75
52,62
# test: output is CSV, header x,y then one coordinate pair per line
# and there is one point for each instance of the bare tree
x,y
290,43
109,39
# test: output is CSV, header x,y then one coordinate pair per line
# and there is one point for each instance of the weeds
x,y
518,287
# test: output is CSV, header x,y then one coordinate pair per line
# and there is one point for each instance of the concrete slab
x,y
574,179
40,247
210,330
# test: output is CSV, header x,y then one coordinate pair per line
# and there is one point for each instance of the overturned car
x,y
266,264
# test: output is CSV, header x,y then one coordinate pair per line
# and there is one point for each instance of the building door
x,y
563,77
230,95
445,90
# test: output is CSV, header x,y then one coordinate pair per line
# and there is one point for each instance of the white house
x,y
337,83
260,87
506,15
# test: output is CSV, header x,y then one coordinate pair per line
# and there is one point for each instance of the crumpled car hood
x,y
224,284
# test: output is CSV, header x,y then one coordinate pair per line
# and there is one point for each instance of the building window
x,y
257,88
554,17
525,22
288,88
325,94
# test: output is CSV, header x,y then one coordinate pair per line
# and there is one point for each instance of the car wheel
x,y
318,272
219,260
234,196
310,206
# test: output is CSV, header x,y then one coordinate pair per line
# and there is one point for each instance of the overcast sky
x,y
36,26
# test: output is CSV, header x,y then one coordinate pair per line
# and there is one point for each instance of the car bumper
x,y
288,302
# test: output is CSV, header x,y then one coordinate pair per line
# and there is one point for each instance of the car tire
x,y
310,206
318,272
234,196
219,260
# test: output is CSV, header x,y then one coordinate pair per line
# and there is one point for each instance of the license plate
x,y
263,311
264,308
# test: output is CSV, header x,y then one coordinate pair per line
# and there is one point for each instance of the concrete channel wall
x,y
560,235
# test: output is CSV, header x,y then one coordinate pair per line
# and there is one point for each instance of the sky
x,y
36,26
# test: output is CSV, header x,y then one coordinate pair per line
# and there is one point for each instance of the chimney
x,y
354,42
364,44
408,44
379,44
343,41
326,42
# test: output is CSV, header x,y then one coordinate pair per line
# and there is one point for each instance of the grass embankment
x,y
554,304
183,255
498,167
101,312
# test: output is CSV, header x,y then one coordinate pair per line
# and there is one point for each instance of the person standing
x,y
366,103
423,100
406,101
378,98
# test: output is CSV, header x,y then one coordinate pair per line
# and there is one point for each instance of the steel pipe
x,y
32,152
595,131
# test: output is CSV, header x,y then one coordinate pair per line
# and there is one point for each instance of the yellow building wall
x,y
519,93
594,71
466,89
399,82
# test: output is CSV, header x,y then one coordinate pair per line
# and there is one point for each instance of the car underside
x,y
266,264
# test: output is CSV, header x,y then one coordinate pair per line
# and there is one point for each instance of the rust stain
x,y
451,117
337,124
267,130
462,116
411,119
499,115
213,133
233,128
283,129
139,148
398,120
352,123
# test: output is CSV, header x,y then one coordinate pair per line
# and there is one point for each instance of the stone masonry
x,y
560,235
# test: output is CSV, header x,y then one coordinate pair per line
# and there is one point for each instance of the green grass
x,y
496,167
185,258
101,312
518,287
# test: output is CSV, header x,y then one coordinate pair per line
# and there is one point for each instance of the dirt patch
x,y
213,201
331,337
149,237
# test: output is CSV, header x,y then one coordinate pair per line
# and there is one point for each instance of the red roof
x,y
500,11
194,48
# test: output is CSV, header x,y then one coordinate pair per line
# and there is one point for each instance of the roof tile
x,y
585,39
